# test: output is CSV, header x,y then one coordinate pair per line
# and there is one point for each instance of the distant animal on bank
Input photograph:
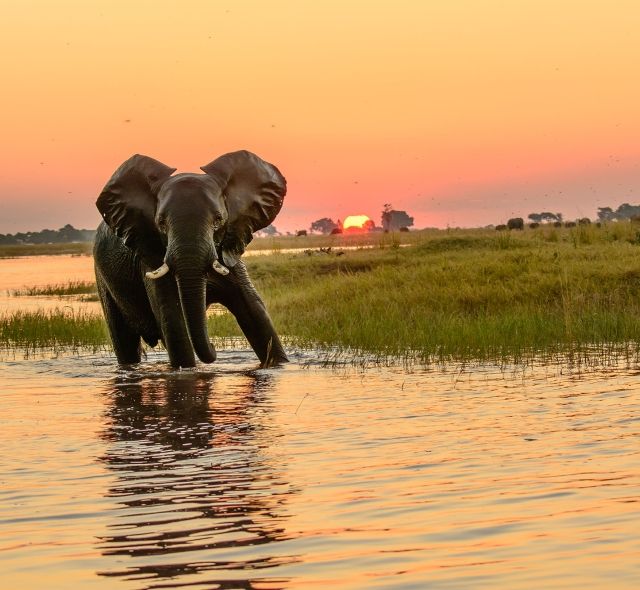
x,y
301,232
170,246
570,224
534,225
501,227
515,223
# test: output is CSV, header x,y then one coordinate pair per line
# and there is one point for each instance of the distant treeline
x,y
64,235
624,211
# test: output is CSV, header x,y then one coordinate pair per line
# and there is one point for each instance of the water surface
x,y
39,271
231,476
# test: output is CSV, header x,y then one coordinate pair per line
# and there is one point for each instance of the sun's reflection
x,y
193,480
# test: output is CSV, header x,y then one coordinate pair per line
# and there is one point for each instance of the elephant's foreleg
x,y
251,314
126,342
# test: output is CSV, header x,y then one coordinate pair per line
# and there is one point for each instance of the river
x,y
306,476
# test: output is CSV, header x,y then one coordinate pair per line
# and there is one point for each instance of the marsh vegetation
x,y
56,290
450,295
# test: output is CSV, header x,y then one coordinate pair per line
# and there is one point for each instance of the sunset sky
x,y
462,112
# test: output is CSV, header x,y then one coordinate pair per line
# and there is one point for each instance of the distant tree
x,y
393,220
68,233
270,230
606,214
545,217
624,211
65,234
324,225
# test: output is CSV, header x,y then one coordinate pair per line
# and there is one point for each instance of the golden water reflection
x,y
304,476
193,480
39,271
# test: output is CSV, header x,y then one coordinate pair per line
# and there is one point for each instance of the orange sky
x,y
462,112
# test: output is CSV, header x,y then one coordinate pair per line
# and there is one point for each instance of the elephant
x,y
170,245
515,223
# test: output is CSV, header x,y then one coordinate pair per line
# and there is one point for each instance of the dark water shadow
x,y
196,490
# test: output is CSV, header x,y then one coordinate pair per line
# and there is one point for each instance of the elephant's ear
x,y
254,191
128,202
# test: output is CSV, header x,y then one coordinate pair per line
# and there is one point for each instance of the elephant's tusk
x,y
159,272
219,268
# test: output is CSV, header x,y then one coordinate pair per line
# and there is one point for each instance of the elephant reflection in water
x,y
192,476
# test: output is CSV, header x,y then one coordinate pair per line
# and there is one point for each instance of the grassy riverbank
x,y
456,294
17,250
268,244
60,329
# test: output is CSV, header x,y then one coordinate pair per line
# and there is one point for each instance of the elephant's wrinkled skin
x,y
170,246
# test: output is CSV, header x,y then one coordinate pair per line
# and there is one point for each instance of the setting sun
x,y
355,221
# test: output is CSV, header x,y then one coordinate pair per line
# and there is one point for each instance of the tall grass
x,y
452,295
59,329
464,294
57,290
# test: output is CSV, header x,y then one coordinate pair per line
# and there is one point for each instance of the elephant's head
x,y
189,223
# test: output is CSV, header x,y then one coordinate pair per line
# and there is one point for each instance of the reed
x,y
57,290
58,329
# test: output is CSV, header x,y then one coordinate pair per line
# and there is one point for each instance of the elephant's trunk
x,y
189,262
191,287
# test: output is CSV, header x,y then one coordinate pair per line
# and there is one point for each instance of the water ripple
x,y
232,476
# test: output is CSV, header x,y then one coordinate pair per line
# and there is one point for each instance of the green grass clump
x,y
54,329
58,290
463,294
